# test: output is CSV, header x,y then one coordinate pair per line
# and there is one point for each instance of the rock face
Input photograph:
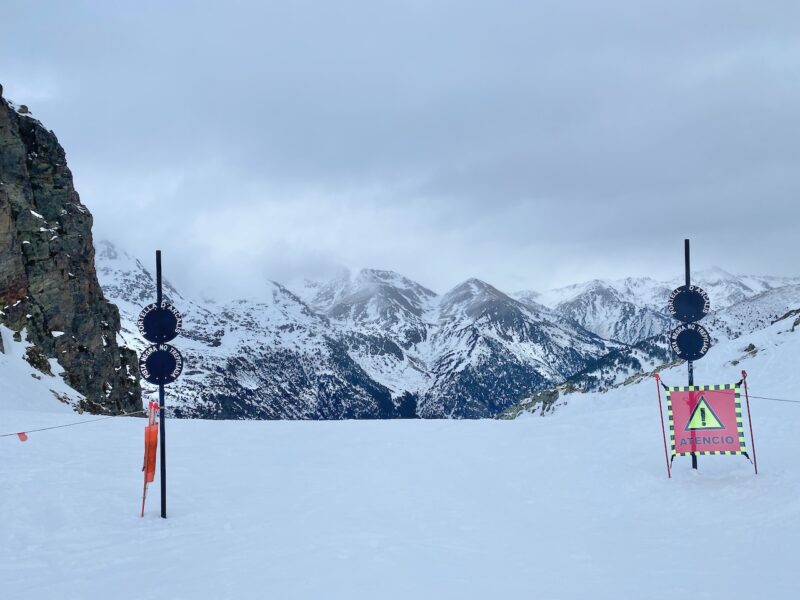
x,y
48,285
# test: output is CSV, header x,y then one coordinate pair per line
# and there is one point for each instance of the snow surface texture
x,y
571,506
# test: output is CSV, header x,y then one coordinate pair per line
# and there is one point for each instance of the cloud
x,y
529,144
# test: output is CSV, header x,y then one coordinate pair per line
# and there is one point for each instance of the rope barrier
x,y
666,387
138,412
141,412
776,399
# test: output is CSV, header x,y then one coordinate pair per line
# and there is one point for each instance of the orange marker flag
x,y
150,446
23,437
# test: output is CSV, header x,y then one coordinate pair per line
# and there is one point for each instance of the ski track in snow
x,y
576,505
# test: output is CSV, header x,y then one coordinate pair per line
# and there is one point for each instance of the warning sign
x,y
703,417
705,420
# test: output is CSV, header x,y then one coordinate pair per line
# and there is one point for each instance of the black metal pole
x,y
688,362
161,416
163,453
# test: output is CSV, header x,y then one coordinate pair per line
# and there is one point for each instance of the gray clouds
x,y
528,144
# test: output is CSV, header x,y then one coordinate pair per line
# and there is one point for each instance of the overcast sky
x,y
531,144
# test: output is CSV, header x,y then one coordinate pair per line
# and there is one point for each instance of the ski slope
x,y
571,506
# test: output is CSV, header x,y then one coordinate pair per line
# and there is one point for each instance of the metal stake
x,y
689,363
161,414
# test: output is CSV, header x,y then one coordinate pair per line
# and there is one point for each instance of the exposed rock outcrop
x,y
48,285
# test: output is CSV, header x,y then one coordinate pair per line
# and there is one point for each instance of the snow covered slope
x,y
753,313
28,391
373,345
634,309
747,316
618,310
468,353
489,350
572,506
267,358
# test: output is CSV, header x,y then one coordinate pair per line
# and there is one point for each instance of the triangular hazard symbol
x,y
703,417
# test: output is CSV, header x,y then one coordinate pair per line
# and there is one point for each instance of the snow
x,y
633,309
724,288
28,395
576,505
398,332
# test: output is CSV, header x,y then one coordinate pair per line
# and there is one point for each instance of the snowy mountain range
x,y
375,344
746,305
633,309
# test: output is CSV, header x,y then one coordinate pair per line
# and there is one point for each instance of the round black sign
x,y
688,303
160,364
159,324
690,341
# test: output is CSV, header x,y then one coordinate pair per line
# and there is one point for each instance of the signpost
x,y
688,303
689,341
160,322
702,419
161,363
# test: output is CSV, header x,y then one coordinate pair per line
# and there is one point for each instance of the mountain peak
x,y
379,274
470,293
474,287
391,278
715,274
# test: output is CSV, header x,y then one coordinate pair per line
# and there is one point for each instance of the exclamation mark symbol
x,y
703,416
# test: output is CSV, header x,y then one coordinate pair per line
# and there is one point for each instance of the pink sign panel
x,y
705,420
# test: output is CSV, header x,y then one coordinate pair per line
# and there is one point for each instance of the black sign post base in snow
x,y
161,363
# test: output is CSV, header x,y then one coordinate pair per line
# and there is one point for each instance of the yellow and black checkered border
x,y
708,388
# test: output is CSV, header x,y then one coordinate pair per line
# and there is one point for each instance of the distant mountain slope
x,y
629,368
375,344
370,345
490,350
468,353
741,319
611,313
267,359
634,309
753,313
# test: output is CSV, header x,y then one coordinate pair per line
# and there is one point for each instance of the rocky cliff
x,y
49,292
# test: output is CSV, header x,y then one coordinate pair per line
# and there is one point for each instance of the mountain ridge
x,y
464,354
376,344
